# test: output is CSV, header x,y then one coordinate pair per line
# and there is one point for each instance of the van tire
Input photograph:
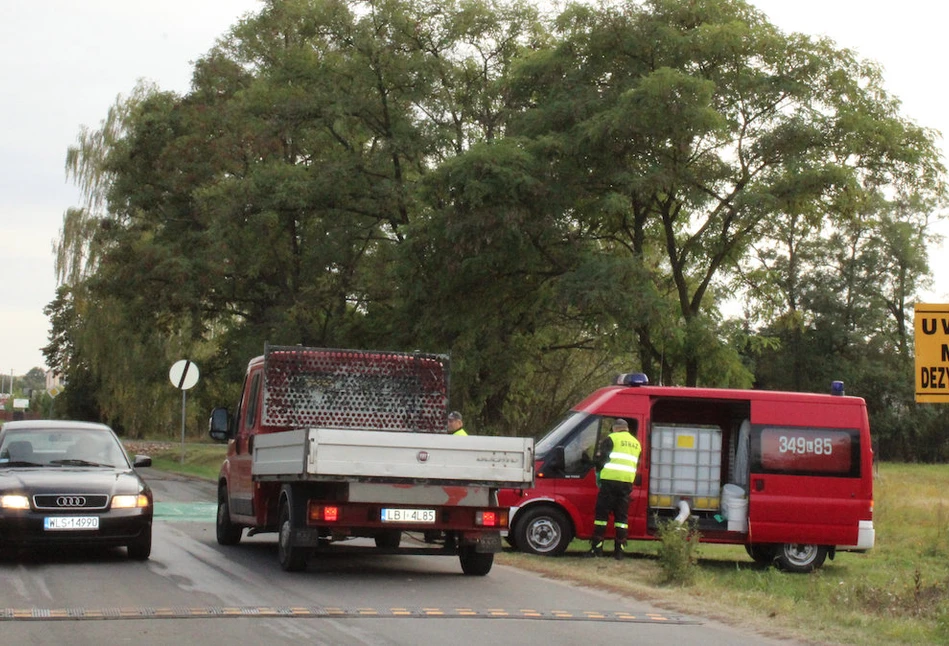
x,y
227,532
760,554
543,530
800,557
292,557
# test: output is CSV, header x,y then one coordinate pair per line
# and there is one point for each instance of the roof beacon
x,y
837,388
632,379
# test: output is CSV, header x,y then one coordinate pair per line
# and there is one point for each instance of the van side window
x,y
806,451
579,450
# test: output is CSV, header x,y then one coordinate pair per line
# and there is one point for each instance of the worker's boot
x,y
619,544
596,547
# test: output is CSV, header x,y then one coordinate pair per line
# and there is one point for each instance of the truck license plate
x,y
55,523
408,515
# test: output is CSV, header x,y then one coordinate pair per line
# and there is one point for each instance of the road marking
x,y
314,612
186,511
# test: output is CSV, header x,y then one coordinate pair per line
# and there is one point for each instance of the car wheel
x,y
141,548
475,563
760,554
292,557
543,530
227,532
800,557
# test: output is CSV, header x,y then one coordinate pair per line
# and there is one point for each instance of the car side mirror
x,y
219,425
556,461
142,461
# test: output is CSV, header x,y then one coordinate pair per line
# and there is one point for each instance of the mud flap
x,y
489,542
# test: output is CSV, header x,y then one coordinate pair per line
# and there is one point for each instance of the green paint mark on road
x,y
186,511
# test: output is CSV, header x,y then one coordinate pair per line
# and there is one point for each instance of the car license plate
x,y
57,523
408,515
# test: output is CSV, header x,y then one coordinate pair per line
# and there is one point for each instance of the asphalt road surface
x,y
194,591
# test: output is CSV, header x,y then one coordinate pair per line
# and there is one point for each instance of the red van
x,y
787,475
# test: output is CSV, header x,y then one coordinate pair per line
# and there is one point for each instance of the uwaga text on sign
x,y
932,353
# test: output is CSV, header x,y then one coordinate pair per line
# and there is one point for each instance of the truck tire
x,y
388,539
760,554
292,557
475,563
141,548
543,530
800,557
227,532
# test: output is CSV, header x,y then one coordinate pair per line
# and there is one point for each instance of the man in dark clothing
x,y
618,457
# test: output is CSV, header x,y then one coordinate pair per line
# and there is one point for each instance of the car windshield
x,y
62,447
558,435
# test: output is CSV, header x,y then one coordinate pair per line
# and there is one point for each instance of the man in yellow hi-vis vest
x,y
618,457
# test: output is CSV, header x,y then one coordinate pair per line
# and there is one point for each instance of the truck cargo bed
x,y
385,456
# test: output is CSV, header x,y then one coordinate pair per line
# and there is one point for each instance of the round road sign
x,y
183,374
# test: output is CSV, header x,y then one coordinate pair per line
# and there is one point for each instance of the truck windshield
x,y
561,434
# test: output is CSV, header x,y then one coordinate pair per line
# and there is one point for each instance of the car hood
x,y
69,479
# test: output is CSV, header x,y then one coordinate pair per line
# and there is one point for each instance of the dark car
x,y
71,483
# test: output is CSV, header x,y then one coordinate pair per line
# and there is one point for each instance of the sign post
x,y
183,375
931,323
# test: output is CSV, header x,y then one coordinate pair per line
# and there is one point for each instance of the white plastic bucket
x,y
735,508
738,515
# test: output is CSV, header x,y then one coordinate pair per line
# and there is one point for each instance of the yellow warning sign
x,y
931,324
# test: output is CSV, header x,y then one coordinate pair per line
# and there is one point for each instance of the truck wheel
x,y
800,557
475,563
388,539
543,530
760,554
227,532
292,557
141,548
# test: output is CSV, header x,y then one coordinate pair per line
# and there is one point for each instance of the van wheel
x,y
475,563
227,532
292,557
543,530
800,557
760,554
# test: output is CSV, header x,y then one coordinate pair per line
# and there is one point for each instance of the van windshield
x,y
559,434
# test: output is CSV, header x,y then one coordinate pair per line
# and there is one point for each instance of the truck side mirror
x,y
219,425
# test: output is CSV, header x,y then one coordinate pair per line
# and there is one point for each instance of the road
x,y
194,591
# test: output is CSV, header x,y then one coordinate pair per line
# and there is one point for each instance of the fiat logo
x,y
71,501
422,456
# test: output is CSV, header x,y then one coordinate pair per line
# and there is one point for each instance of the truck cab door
x,y
241,485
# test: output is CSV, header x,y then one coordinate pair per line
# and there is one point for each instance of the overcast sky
x,y
65,61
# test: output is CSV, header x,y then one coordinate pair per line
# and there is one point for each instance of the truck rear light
x,y
325,513
491,518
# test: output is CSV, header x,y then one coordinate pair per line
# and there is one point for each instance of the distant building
x,y
53,380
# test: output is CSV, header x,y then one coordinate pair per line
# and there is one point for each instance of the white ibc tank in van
x,y
686,462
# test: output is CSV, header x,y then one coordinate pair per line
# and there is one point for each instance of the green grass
x,y
898,593
200,460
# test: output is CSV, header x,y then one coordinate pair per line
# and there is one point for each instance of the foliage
x,y
678,551
550,198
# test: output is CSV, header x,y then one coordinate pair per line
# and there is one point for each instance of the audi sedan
x,y
71,483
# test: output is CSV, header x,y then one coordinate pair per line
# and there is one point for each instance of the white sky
x,y
65,61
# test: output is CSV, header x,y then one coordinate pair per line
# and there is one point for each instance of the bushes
x,y
678,551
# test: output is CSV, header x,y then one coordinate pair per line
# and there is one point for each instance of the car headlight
x,y
14,501
129,501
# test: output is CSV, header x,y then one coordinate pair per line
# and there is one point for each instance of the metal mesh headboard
x,y
355,389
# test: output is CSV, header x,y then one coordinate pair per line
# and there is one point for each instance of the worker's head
x,y
620,425
454,421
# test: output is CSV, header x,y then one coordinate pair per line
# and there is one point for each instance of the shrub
x,y
678,551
